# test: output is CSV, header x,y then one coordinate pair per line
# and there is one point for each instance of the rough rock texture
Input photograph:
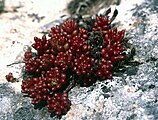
x,y
132,95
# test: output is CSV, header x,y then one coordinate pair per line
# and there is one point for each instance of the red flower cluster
x,y
59,103
70,51
10,77
36,88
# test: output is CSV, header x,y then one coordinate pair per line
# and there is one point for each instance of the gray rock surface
x,y
132,95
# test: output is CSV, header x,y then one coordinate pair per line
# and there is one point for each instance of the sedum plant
x,y
78,52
